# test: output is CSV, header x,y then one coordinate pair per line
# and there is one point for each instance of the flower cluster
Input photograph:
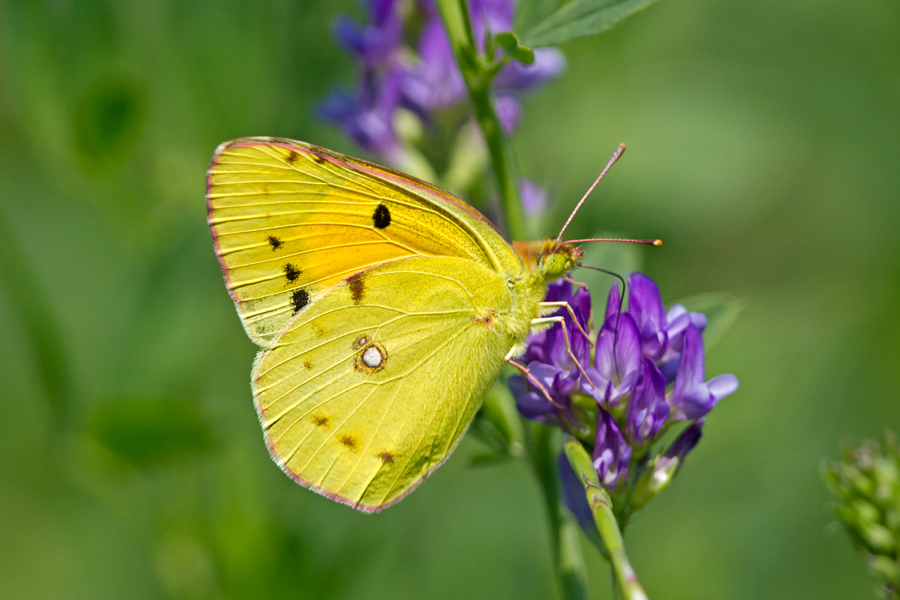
x,y
409,80
647,373
865,488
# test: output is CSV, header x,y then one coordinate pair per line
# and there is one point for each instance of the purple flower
x,y
686,441
509,111
617,362
534,198
532,403
647,410
435,81
611,452
425,80
549,63
640,353
645,305
693,396
367,116
377,41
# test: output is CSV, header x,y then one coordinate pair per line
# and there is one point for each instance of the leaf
x,y
531,12
581,18
151,432
721,312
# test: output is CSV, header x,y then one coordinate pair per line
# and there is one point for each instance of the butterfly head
x,y
550,258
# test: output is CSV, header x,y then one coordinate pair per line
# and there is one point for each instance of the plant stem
x,y
566,548
601,507
477,75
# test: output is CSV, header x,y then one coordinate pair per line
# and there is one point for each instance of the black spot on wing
x,y
317,158
357,288
299,299
381,217
275,242
386,458
292,156
348,441
291,272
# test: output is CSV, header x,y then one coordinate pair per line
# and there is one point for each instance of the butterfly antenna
x,y
618,312
649,242
611,162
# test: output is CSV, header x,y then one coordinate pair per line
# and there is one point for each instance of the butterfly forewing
x,y
370,388
291,220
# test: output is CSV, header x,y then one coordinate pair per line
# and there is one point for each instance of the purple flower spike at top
x,y
435,81
374,42
367,117
534,198
647,411
617,362
693,396
611,452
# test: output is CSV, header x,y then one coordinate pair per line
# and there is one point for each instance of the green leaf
x,y
151,432
721,312
531,12
581,18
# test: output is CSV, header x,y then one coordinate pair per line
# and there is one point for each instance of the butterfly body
x,y
385,308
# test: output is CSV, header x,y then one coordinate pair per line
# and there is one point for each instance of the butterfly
x,y
384,307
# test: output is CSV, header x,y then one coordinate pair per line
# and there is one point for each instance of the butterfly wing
x,y
291,219
370,388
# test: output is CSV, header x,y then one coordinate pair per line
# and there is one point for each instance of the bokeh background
x,y
764,148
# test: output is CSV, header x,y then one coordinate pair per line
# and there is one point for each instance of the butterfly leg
x,y
569,308
531,378
562,322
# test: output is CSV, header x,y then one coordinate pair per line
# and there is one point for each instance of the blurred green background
x,y
764,139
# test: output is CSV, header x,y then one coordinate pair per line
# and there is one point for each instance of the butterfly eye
x,y
554,266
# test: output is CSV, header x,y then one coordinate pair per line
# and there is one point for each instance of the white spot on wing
x,y
372,357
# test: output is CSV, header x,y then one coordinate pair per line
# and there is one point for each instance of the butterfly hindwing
x,y
370,388
290,220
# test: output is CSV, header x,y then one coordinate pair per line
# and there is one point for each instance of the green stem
x,y
477,74
601,507
567,559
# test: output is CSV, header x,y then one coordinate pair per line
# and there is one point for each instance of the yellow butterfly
x,y
384,306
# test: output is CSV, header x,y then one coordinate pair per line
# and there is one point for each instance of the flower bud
x,y
653,479
866,493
